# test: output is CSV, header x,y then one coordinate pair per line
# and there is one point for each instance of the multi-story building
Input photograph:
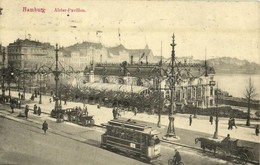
x,y
27,53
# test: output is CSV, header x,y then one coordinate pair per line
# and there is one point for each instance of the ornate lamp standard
x,y
56,78
216,128
3,72
158,83
11,77
171,129
40,100
23,98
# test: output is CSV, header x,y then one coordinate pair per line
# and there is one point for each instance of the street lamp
x,y
23,98
171,129
11,72
56,78
40,100
159,111
3,72
216,128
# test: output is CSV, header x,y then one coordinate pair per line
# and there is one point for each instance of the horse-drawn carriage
x,y
74,116
227,148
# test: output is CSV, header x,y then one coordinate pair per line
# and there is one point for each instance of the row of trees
x,y
144,103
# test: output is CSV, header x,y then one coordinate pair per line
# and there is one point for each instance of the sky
x,y
214,29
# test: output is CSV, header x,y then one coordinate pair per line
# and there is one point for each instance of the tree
x,y
250,93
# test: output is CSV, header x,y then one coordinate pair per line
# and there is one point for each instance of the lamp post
x,y
171,129
11,74
23,85
216,128
56,78
3,72
40,100
159,111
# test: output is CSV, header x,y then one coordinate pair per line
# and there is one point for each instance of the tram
x,y
131,138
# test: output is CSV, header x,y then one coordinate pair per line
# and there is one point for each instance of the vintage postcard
x,y
129,82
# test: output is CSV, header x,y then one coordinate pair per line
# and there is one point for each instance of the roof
x,y
115,50
132,52
27,42
115,87
150,70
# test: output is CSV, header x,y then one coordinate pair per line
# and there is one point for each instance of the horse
x,y
207,143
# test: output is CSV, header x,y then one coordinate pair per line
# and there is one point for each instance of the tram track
x,y
83,140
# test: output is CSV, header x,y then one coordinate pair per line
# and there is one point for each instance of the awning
x,y
115,87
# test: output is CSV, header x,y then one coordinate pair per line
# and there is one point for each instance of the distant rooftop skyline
x,y
215,29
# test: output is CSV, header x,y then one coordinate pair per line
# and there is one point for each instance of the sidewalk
x,y
199,124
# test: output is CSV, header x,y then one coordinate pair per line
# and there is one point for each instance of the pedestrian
x,y
118,112
19,104
114,112
45,126
32,97
50,100
190,119
257,130
26,111
12,107
65,101
230,124
35,109
211,119
135,110
85,111
234,122
19,95
39,111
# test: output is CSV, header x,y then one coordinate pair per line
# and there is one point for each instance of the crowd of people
x,y
117,110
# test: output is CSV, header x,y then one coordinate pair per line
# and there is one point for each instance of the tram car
x,y
132,138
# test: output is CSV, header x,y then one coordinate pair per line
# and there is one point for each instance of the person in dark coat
x,y
85,111
39,111
45,126
190,119
12,107
176,157
233,121
35,109
26,111
114,112
32,97
230,124
135,111
257,130
211,119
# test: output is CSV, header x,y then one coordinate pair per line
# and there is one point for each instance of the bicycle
x,y
171,162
